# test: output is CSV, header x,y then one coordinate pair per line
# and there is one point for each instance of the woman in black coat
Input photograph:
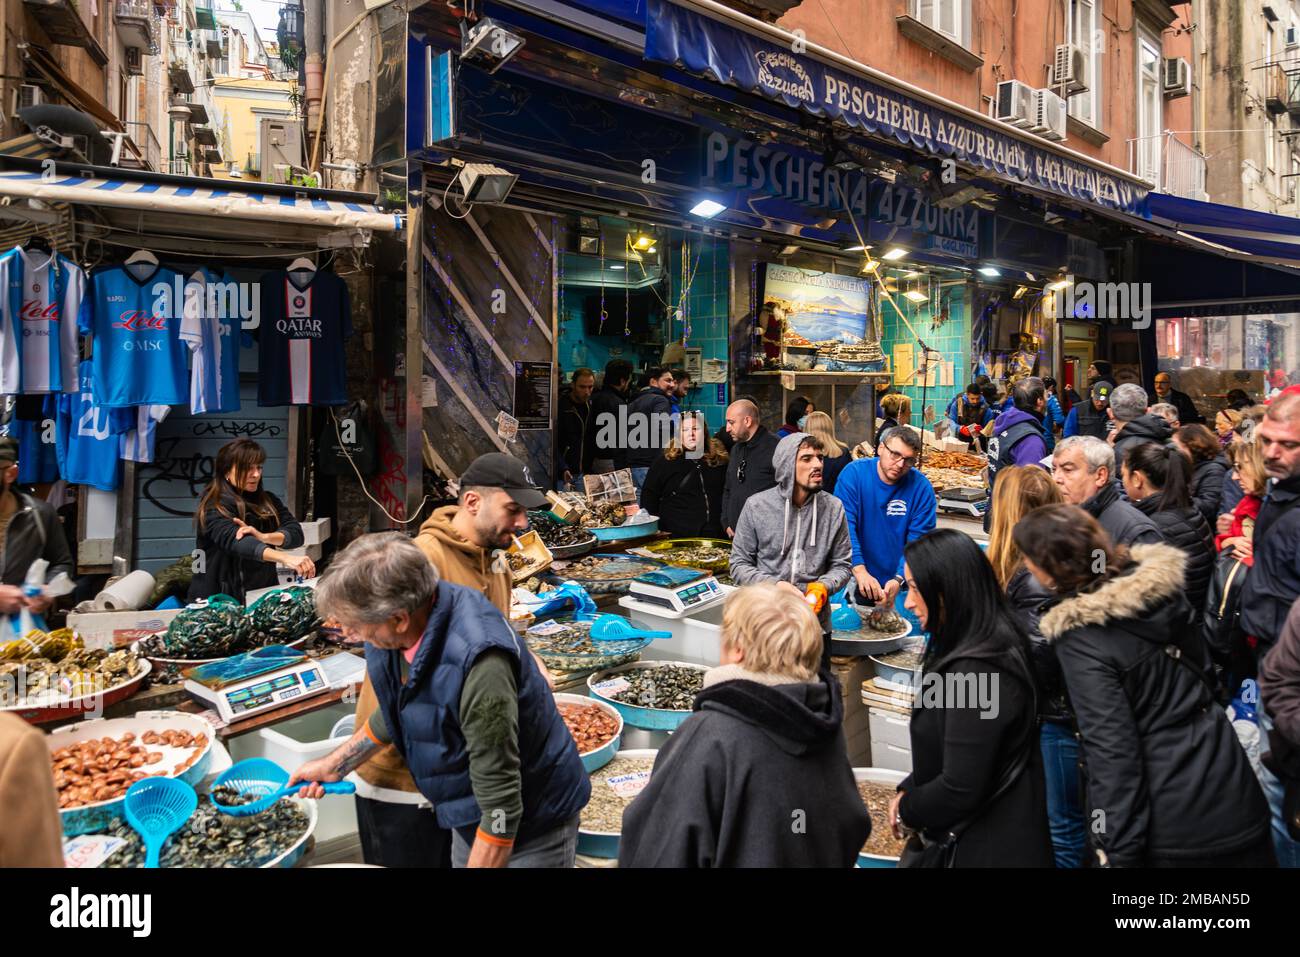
x,y
758,776
1167,782
1157,480
684,487
1209,468
977,767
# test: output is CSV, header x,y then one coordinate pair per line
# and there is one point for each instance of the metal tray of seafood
x,y
669,552
605,843
613,654
596,759
575,551
877,776
894,672
49,708
89,818
637,716
620,569
858,644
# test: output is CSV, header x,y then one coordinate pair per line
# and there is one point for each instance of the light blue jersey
x,y
87,439
139,357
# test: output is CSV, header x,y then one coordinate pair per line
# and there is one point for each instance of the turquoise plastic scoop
x,y
618,628
157,808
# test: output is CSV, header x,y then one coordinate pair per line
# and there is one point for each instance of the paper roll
x,y
126,594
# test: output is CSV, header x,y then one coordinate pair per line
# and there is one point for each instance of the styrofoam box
x,y
891,729
884,755
97,628
294,742
317,532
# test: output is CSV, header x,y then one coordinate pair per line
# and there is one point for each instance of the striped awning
x,y
197,196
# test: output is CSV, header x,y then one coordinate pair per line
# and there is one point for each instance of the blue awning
x,y
1268,236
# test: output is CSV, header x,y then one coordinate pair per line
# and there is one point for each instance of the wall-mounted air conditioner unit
x,y
1070,70
1014,103
29,94
1048,116
1176,77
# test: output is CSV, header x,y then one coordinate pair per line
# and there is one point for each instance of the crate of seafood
x,y
54,677
95,761
528,556
653,695
565,644
276,837
612,789
876,787
562,539
596,727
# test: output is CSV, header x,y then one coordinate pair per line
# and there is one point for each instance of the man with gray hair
x,y
462,701
1083,468
1133,423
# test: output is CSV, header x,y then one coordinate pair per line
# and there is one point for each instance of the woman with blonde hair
x,y
1026,488
837,454
897,409
684,484
765,742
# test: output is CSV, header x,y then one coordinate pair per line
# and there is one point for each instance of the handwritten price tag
x,y
628,786
90,850
611,687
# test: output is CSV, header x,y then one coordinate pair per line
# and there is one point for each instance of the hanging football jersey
x,y
305,319
86,443
211,328
44,306
38,459
139,358
137,444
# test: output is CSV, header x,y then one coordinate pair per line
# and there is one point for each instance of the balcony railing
x,y
146,144
135,23
1169,164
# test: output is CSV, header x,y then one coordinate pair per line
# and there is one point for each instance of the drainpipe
x,y
313,32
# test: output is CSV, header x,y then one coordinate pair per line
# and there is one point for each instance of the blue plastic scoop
x,y
618,628
157,808
267,781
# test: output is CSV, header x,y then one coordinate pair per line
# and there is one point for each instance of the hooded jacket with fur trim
x,y
1166,776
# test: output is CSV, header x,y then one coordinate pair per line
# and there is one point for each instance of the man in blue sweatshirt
x,y
1018,434
888,504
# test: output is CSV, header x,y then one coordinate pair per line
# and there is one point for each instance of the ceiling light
x,y
643,241
870,266
856,249
989,271
789,250
911,274
898,252
707,209
916,295
485,183
1058,285
1020,291
652,250
618,266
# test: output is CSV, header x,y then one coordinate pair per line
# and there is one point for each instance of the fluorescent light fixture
x,y
652,250
617,266
707,209
915,295
898,252
870,266
485,183
789,250
989,271
1030,277
911,274
1058,285
856,249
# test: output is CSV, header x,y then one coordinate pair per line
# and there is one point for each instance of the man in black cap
x,y
29,529
1093,417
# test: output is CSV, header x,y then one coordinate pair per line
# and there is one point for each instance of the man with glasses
x,y
1165,392
888,504
750,468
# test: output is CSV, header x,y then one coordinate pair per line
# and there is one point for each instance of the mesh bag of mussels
x,y
213,628
283,615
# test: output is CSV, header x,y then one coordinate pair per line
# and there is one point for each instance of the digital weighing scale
x,y
967,501
674,592
263,680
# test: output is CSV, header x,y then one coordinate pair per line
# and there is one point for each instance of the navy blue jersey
x,y
301,333
139,357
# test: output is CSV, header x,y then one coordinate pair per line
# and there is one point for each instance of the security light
x,y
489,43
485,183
898,252
707,209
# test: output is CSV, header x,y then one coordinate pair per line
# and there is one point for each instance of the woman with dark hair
x,y
977,769
796,416
1209,467
243,530
1157,479
1167,782
684,484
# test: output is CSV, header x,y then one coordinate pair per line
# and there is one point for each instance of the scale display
x,y
678,589
263,693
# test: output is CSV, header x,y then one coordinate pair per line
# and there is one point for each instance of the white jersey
x,y
44,304
213,340
137,445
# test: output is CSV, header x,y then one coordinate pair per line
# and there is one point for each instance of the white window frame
x,y
931,13
1150,146
1086,107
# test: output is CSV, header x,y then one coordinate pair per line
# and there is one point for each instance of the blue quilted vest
x,y
423,717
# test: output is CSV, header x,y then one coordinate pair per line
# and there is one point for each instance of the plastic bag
x,y
283,615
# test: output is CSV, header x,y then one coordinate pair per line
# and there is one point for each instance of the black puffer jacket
x,y
1122,522
1028,597
1162,763
1186,530
1145,428
648,415
686,494
1207,486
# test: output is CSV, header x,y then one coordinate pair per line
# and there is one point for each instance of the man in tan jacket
x,y
397,826
31,834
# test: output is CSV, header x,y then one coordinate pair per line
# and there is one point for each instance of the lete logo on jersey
x,y
897,508
33,312
136,320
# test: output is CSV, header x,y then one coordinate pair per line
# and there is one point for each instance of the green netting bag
x,y
210,628
283,615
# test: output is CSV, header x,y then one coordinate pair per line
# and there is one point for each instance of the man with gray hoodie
x,y
812,556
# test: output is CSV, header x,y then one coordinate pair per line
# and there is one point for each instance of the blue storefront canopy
x,y
1270,237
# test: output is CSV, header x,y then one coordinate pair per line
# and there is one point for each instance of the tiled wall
x,y
952,340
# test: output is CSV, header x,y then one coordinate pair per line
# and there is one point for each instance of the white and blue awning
x,y
195,196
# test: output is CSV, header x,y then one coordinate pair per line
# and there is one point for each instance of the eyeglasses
x,y
907,460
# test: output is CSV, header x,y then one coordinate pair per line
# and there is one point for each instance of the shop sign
x,y
687,38
783,172
954,231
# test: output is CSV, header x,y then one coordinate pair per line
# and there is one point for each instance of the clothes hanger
x,y
38,243
142,256
302,263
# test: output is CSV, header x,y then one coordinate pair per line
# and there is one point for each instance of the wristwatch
x,y
901,580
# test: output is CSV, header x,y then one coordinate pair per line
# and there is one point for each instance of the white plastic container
x,y
296,741
891,756
890,728
696,637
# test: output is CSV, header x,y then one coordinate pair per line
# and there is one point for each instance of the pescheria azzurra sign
x,y
703,45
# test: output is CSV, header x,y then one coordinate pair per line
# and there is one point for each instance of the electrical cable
x,y
361,480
